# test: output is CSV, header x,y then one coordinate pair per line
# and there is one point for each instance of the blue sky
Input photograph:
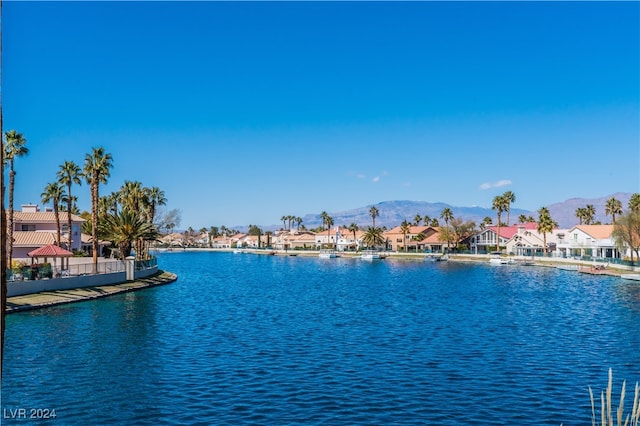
x,y
244,112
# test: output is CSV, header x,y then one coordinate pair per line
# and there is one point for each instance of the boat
x,y
436,258
632,277
327,254
501,261
371,255
238,251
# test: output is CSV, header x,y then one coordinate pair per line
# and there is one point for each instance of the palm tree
x,y
589,214
545,224
96,171
405,228
634,203
353,228
284,222
373,237
298,222
509,198
522,218
580,214
54,193
156,198
329,222
68,174
446,215
435,223
124,228
417,219
499,204
613,208
14,147
426,220
374,212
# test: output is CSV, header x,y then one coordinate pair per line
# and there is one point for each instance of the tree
x,y
426,220
298,222
634,203
613,208
589,214
522,218
125,228
255,231
580,214
373,237
68,174
156,198
54,193
374,212
509,198
499,205
353,228
626,233
545,225
284,222
14,147
329,223
461,230
446,215
405,228
417,219
435,223
485,222
96,171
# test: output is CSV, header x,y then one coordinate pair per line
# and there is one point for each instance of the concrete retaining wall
x,y
20,288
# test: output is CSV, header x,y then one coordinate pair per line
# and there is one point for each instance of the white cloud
x,y
498,184
361,176
375,179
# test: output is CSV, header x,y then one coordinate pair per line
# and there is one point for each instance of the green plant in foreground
x,y
606,413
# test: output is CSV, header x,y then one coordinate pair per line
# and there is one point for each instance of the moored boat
x,y
632,277
371,255
327,254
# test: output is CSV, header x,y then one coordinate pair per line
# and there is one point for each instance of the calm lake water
x,y
246,339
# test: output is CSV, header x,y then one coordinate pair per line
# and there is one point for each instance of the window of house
x,y
28,227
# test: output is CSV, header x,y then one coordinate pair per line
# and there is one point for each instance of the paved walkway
x,y
50,298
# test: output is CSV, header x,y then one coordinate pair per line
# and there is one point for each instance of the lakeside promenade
x,y
58,297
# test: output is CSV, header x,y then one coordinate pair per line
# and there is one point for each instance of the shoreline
x,y
59,297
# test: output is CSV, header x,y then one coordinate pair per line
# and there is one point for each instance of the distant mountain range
x,y
392,213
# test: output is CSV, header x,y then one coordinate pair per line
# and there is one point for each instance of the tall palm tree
x,y
353,228
374,212
54,193
14,147
405,228
545,225
613,208
68,174
373,237
446,215
634,203
156,198
329,222
417,219
499,205
589,214
284,222
426,220
509,198
580,214
298,222
96,171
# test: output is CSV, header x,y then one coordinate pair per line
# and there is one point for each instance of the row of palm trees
x,y
125,217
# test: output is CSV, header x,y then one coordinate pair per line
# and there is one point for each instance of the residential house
x,y
419,238
33,229
486,240
588,241
527,241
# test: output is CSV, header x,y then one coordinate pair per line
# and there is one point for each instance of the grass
x,y
606,411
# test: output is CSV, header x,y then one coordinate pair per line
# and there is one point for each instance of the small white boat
x,y
501,261
327,254
632,277
238,251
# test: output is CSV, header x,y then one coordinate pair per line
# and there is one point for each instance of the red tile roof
x,y
50,250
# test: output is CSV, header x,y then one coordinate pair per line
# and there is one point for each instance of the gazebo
x,y
51,250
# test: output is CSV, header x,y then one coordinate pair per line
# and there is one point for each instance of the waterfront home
x,y
294,239
588,241
527,241
33,229
487,239
419,238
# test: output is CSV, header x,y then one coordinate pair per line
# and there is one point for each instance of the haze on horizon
x,y
244,112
